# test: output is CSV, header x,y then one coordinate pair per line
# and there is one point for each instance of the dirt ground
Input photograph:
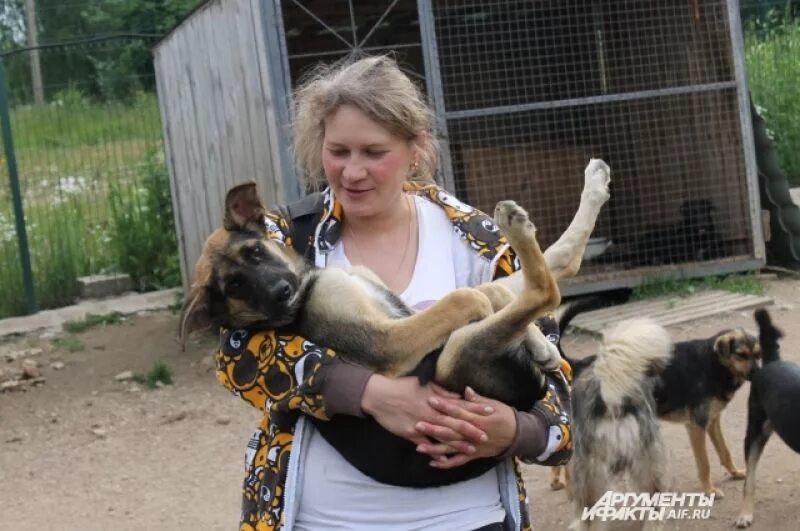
x,y
85,452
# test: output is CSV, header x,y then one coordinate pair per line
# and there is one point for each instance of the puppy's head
x,y
739,351
242,278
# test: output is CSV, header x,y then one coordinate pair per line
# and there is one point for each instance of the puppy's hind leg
x,y
759,431
555,478
718,439
697,438
507,326
540,287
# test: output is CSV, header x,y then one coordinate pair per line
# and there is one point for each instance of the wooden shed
x,y
525,92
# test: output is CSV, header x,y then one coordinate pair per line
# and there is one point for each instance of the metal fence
x,y
88,161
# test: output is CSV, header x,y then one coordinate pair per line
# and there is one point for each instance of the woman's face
x,y
364,163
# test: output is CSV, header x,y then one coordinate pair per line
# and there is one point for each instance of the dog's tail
x,y
768,336
631,351
572,308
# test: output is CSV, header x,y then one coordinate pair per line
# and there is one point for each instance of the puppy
x,y
617,440
472,337
772,406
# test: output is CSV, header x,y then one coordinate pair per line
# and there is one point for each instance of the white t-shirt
x,y
334,495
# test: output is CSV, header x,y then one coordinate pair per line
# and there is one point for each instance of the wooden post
x,y
33,42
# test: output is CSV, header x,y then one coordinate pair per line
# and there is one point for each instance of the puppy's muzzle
x,y
282,291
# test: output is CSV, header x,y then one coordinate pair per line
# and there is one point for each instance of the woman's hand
x,y
402,404
495,420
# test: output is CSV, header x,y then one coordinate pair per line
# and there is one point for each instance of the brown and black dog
x,y
696,387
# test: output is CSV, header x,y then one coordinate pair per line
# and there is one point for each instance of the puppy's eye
x,y
255,253
235,285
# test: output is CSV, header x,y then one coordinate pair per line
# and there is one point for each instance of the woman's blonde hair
x,y
376,86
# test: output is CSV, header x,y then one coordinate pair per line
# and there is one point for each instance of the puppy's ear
x,y
724,345
243,208
196,314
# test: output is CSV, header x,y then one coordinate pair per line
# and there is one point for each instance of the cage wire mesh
x,y
323,32
532,90
91,173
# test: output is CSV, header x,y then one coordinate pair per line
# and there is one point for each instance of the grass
x,y
746,284
70,344
772,49
92,321
160,373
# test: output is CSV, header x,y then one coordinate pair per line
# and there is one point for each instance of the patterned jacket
x,y
283,377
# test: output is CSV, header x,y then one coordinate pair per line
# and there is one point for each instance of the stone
x,y
100,286
31,373
9,385
124,376
57,365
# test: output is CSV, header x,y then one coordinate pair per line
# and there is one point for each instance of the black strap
x,y
303,216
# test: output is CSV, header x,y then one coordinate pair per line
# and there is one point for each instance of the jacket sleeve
x,y
284,373
544,434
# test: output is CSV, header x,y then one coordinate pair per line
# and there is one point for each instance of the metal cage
x,y
525,92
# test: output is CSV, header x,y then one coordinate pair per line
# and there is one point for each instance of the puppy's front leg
x,y
564,257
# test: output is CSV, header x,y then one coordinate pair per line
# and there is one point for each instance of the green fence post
x,y
16,196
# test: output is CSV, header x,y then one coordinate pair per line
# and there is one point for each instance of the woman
x,y
362,128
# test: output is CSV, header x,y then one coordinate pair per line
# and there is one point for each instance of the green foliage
x,y
92,321
772,52
746,284
71,155
143,231
111,71
160,373
73,122
70,344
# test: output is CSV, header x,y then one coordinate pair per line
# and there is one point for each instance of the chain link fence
x,y
89,158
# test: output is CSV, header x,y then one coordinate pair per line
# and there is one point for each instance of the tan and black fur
x,y
696,387
472,336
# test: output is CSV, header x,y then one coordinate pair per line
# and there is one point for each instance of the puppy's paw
x,y
737,473
514,222
556,484
597,177
716,491
744,520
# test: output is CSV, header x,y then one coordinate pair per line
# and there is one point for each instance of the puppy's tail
x,y
768,336
631,351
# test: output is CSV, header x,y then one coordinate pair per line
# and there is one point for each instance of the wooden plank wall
x,y
217,117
